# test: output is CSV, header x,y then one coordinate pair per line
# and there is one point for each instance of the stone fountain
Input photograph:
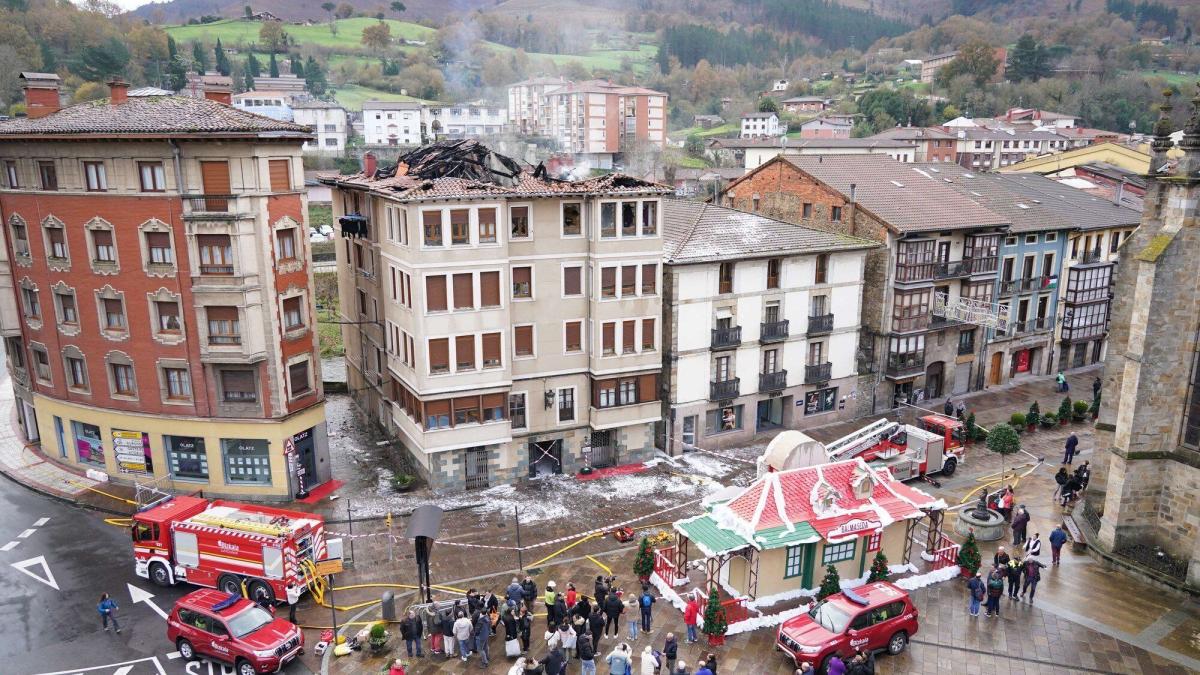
x,y
988,524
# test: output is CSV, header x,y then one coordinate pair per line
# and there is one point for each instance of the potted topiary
x,y
969,558
1017,421
879,568
1034,416
403,482
1003,441
1064,410
378,637
643,563
1049,420
715,623
1081,411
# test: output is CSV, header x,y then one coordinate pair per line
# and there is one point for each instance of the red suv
x,y
870,618
232,629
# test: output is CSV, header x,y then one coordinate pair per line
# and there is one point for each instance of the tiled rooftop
x,y
156,115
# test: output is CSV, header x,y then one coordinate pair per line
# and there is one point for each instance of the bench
x,y
1078,540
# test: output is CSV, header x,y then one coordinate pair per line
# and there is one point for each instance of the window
x,y
280,171
435,293
649,218
67,313
724,419
298,379
114,314
122,377
1050,237
31,304
179,384
487,225
58,242
629,279
187,458
49,175
1114,242
489,289
151,177
793,565
437,415
573,336
606,396
431,223
608,220
493,407
821,400
629,212
102,246
76,373
460,227
835,213
566,404
774,266
608,282
770,360
572,281
293,314
518,221
216,254
41,363
168,317
608,338
491,350
572,219
648,340
223,325
159,246
439,355
523,340
874,542
246,461
806,211
522,282
285,243
911,310
721,369
725,278
10,173
821,275
464,352
516,410
20,239
838,552
95,179
88,444
464,291
649,279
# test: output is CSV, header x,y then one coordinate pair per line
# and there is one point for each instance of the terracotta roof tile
x,y
159,115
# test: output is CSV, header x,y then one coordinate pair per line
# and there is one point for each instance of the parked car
x,y
870,618
231,629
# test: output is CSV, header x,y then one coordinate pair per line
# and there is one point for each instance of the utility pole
x,y
517,517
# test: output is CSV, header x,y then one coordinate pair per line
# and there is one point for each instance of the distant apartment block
x,y
328,121
527,101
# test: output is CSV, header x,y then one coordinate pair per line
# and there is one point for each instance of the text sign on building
x,y
132,449
327,567
853,527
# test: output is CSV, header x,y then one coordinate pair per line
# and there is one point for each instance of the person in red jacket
x,y
691,614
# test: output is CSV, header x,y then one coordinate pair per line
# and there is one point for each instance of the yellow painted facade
x,y
1111,153
116,427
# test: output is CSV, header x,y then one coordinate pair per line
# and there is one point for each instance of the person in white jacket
x,y
463,628
518,668
563,637
649,662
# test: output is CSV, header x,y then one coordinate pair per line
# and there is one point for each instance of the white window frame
x,y
508,408
558,422
583,226
533,341
508,220
582,336
562,275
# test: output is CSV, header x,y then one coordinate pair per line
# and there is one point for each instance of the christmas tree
x,y
879,568
714,615
968,555
643,564
831,584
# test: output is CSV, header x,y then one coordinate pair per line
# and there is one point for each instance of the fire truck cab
x,y
907,451
226,545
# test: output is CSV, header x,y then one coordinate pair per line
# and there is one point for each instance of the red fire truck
x,y
225,545
907,451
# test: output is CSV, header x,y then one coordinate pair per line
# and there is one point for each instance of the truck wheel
x,y
824,669
229,583
244,667
260,589
897,644
186,652
949,467
159,574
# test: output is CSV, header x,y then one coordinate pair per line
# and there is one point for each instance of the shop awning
x,y
708,537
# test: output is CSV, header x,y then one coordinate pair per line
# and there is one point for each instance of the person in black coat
x,y
596,628
582,609
556,663
601,590
524,626
447,621
510,623
528,591
585,649
711,663
412,630
560,609
613,608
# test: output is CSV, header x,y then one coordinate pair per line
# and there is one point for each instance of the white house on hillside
x,y
327,120
761,125
392,123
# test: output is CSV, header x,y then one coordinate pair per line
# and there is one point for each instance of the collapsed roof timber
x,y
466,158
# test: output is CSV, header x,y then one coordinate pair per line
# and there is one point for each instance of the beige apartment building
x,y
501,324
597,119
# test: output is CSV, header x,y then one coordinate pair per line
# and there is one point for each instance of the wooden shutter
x,y
436,409
608,281
439,354
628,341
491,401
572,282
158,240
522,278
102,238
220,313
648,336
523,340
464,292
649,279
491,349
647,388
435,293
237,380
573,341
608,337
281,175
489,289
629,279
464,351
215,177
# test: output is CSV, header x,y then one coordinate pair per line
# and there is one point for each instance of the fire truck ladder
x,y
240,524
852,444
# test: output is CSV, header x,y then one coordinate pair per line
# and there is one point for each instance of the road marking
x,y
121,667
39,560
41,521
137,595
10,545
25,534
171,656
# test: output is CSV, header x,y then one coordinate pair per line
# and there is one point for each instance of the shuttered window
x,y
493,407
215,177
437,414
238,386
435,293
648,334
572,281
629,280
464,292
647,388
649,279
523,340
281,175
466,410
608,282
464,352
102,242
628,341
573,340
522,278
489,289
159,245
491,350
439,355
608,337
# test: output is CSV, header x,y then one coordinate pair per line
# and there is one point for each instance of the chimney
x,y
1120,194
118,91
41,94
218,88
369,164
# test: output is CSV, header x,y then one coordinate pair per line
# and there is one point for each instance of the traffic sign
x,y
330,566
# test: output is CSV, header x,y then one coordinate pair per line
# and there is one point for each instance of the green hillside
x,y
351,96
349,32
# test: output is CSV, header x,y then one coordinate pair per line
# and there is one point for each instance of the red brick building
x,y
163,323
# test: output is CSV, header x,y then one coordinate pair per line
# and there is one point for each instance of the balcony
x,y
817,373
775,381
726,338
939,322
1082,296
981,265
1032,325
905,364
211,207
1081,333
1011,286
965,348
822,323
724,389
930,271
224,340
773,331
1089,257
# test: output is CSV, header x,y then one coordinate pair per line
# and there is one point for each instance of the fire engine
x,y
225,545
907,451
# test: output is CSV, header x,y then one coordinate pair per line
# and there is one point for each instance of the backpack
x,y
977,592
646,600
995,583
